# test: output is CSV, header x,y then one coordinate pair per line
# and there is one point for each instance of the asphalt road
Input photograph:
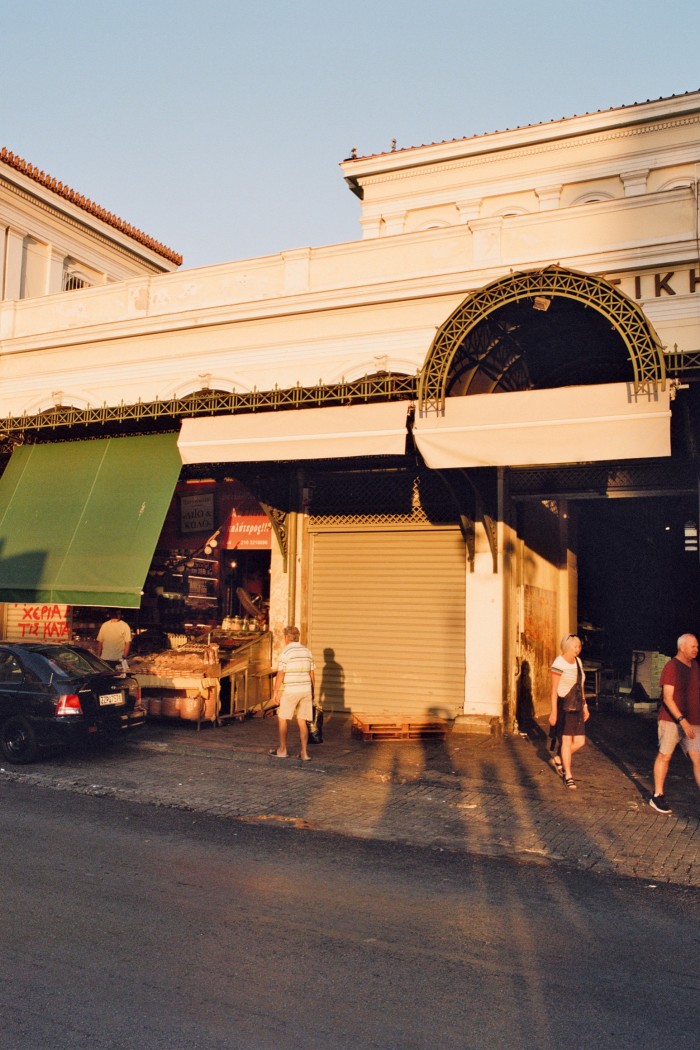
x,y
128,926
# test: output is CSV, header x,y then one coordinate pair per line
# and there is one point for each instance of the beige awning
x,y
564,425
304,433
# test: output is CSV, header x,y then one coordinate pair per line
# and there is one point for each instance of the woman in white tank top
x,y
565,672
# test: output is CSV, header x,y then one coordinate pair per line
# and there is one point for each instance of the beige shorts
x,y
296,704
670,735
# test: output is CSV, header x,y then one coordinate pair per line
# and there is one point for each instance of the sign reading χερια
x,y
37,623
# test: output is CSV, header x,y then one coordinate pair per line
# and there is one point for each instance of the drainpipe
x,y
292,548
292,566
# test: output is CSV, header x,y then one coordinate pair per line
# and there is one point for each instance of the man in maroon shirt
x,y
679,716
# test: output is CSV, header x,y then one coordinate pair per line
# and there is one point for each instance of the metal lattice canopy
x,y
145,415
643,347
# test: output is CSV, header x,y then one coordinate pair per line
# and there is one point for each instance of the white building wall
x,y
612,194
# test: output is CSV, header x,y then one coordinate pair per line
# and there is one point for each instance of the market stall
x,y
180,683
228,676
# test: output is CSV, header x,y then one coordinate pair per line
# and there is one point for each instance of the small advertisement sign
x,y
248,526
197,513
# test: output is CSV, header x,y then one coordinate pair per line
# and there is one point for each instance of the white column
x,y
297,271
371,227
468,210
54,271
484,642
486,240
549,197
394,222
3,247
13,263
635,182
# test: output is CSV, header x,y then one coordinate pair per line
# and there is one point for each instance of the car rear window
x,y
73,661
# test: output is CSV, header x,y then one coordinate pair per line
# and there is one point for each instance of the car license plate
x,y
111,698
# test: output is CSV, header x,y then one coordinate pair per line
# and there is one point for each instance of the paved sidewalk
x,y
469,794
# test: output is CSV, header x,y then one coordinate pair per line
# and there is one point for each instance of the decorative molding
x,y
500,154
79,200
88,231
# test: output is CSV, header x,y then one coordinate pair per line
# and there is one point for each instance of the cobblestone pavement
x,y
470,794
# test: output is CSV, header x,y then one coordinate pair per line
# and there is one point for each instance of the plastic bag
x,y
315,727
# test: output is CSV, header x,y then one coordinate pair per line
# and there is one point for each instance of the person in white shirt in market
x,y
114,639
294,692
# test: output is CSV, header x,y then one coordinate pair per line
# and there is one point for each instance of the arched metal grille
x,y
641,341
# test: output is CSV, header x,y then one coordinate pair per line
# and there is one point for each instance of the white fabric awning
x,y
303,433
563,425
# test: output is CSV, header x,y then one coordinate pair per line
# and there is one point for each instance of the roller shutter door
x,y
387,621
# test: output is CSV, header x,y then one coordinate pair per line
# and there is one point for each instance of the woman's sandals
x,y
570,783
557,766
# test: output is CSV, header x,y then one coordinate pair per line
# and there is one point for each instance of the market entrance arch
x,y
534,332
538,329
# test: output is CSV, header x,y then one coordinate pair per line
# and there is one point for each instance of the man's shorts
x,y
670,735
296,703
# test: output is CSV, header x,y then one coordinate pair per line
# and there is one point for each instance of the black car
x,y
60,694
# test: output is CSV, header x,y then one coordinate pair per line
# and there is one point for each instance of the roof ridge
x,y
518,127
59,188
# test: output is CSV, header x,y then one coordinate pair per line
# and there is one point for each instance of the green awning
x,y
79,521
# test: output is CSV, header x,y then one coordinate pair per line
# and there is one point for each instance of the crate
x,y
371,730
646,708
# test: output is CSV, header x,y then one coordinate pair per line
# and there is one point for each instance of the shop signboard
x,y
247,526
197,513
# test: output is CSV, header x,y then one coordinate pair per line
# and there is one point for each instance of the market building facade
x,y
423,417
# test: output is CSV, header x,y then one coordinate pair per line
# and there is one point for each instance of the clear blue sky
x,y
218,126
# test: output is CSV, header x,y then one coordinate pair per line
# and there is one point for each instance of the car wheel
x,y
18,740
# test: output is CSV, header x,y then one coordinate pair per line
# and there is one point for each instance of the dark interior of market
x,y
638,584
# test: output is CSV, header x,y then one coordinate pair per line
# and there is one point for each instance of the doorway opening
x,y
638,585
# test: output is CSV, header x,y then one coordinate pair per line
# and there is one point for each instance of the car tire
x,y
18,741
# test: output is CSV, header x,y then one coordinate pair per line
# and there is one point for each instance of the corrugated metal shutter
x,y
387,621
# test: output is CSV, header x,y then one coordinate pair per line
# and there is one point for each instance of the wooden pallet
x,y
372,731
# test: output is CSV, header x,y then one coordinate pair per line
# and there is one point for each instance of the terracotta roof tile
x,y
32,172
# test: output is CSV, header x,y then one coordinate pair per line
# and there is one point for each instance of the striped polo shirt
x,y
297,662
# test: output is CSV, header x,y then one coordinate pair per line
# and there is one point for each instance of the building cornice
x,y
492,155
662,109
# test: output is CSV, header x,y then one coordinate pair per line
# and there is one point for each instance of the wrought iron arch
x,y
643,346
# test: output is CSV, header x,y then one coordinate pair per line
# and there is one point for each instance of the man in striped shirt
x,y
294,692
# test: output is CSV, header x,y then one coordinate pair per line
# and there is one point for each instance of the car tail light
x,y
69,704
134,689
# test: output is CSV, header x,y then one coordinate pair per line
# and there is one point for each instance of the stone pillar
x,y
468,210
54,272
635,182
486,240
484,627
394,222
14,243
3,251
297,269
371,227
549,197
